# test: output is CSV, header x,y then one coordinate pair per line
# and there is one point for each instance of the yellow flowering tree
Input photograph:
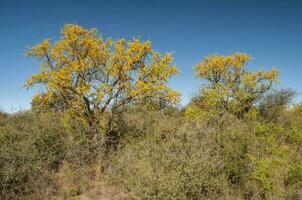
x,y
229,86
89,76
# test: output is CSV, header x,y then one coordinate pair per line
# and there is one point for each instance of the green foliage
x,y
170,165
293,181
295,132
31,146
153,154
3,116
295,174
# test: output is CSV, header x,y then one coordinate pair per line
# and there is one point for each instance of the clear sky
x,y
271,31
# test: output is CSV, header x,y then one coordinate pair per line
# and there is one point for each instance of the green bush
x,y
293,181
32,146
3,116
83,149
295,174
153,154
166,165
204,157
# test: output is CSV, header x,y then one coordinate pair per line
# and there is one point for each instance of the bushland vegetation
x,y
106,125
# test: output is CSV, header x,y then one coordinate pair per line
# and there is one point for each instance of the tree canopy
x,y
89,75
229,86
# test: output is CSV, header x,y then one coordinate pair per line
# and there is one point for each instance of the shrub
x,y
3,115
166,165
295,174
272,104
32,147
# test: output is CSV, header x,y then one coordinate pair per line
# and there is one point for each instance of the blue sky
x,y
271,31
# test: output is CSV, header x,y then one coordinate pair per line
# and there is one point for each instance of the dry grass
x,y
85,184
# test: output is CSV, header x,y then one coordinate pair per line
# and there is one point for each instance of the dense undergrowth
x,y
164,154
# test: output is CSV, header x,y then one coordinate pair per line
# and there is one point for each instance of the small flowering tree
x,y
87,76
229,86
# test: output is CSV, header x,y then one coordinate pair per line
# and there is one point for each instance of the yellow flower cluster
x,y
229,85
90,70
